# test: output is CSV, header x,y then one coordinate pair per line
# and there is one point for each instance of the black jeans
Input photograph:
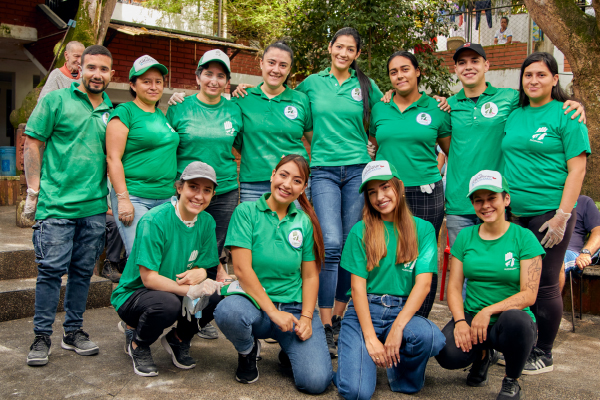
x,y
150,312
114,243
548,307
429,207
221,209
513,334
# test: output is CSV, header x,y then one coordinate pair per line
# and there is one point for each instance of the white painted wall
x,y
24,72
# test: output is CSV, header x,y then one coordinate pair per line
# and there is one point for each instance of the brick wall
x,y
502,56
22,12
184,57
567,65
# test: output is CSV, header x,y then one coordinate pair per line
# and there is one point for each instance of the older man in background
x,y
64,76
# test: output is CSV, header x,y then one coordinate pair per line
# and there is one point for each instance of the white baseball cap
x,y
489,180
143,64
215,55
377,170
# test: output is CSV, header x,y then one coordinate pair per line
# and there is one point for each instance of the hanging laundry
x,y
483,5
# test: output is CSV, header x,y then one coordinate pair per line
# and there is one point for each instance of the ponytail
x,y
363,80
319,245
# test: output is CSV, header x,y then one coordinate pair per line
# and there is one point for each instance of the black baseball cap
x,y
477,48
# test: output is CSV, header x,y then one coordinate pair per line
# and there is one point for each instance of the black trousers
x,y
548,307
150,312
429,207
221,208
513,335
114,244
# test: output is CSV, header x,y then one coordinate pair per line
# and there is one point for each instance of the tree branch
x,y
596,6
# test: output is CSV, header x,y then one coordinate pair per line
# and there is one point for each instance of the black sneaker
x,y
79,341
143,364
284,360
247,371
178,350
122,326
501,360
336,324
511,390
39,350
208,332
330,341
478,375
111,271
538,362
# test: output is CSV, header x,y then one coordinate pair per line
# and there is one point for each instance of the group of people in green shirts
x,y
366,246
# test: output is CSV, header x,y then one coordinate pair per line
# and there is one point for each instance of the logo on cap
x,y
489,110
140,62
356,94
229,129
424,119
466,44
295,238
291,112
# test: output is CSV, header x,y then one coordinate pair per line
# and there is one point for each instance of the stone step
x,y
17,264
17,296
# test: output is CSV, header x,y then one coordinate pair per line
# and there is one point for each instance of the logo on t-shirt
x,y
192,258
291,112
171,128
539,135
105,118
509,261
489,110
229,129
424,119
295,238
409,266
356,94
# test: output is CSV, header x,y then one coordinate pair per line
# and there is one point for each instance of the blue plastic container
x,y
8,160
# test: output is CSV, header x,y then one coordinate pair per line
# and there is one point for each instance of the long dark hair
x,y
548,59
363,80
319,246
281,45
411,57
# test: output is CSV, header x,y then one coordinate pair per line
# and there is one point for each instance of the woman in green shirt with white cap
x,y
141,149
208,124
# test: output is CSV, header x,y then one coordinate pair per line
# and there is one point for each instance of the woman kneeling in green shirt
x,y
391,256
277,251
174,245
502,262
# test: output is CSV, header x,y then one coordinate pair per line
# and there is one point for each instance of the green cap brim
x,y
224,293
491,188
375,178
142,71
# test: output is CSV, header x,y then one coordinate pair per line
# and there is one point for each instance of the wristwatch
x,y
586,251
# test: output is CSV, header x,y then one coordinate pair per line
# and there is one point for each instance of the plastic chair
x,y
445,267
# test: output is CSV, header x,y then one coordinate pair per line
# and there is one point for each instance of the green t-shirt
x,y
278,247
477,132
272,128
150,156
163,243
206,133
493,267
407,139
390,278
73,173
538,143
339,136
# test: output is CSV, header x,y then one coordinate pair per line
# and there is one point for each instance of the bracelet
x,y
306,316
460,320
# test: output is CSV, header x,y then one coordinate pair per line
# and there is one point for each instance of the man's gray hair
x,y
71,45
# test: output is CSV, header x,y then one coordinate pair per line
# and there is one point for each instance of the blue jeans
x,y
252,191
221,208
339,207
570,257
356,376
241,322
455,224
141,206
65,246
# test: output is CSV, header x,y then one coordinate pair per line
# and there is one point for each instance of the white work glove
x,y
176,98
204,288
556,228
126,210
187,308
428,188
371,150
30,205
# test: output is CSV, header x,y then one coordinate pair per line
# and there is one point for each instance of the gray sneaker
x,y
208,332
79,342
122,326
39,351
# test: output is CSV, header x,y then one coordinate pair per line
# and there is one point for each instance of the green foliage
x,y
385,26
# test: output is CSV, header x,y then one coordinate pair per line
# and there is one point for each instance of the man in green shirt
x,y
479,114
69,189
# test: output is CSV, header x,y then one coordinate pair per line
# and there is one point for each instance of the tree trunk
x,y
577,35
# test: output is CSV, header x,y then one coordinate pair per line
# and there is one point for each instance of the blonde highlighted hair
x,y
375,235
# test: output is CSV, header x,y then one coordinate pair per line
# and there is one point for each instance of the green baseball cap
x,y
215,55
489,180
143,64
380,170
